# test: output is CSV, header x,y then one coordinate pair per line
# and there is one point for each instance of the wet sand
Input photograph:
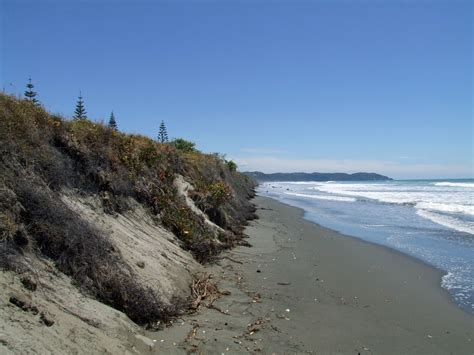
x,y
302,288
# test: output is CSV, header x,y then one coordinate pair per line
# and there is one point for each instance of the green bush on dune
x,y
184,145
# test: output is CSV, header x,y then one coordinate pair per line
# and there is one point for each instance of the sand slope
x,y
82,324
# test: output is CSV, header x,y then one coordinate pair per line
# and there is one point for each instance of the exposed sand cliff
x,y
103,233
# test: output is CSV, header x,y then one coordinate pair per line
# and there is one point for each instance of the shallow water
x,y
432,220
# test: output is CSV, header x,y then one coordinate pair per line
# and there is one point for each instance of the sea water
x,y
432,220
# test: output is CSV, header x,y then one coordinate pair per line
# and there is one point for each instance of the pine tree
x,y
163,134
80,112
30,94
112,121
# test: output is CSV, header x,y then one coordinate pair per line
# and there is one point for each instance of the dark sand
x,y
303,288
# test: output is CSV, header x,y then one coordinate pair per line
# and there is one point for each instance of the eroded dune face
x,y
100,236
59,318
152,252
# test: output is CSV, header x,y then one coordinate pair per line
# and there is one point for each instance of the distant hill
x,y
259,176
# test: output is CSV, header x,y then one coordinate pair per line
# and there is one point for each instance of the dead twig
x,y
205,292
233,260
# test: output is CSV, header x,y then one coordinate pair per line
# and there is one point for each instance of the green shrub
x,y
219,193
184,145
232,166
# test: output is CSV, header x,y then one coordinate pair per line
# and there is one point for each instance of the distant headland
x,y
259,176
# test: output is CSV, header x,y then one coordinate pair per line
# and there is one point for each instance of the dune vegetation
x,y
44,157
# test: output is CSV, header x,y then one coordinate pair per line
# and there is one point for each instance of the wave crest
x,y
444,207
450,222
455,184
319,197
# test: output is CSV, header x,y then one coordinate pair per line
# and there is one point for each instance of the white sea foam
x,y
441,203
444,207
455,281
295,182
455,184
320,197
435,198
447,221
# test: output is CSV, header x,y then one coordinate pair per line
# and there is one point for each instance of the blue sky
x,y
383,86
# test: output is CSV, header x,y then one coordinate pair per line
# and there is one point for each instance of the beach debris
x,y
430,336
282,316
256,298
284,283
259,271
287,310
204,289
276,329
255,326
192,334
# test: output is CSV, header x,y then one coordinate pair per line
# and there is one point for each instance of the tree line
x,y
80,112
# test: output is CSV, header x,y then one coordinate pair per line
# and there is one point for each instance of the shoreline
x,y
389,249
303,288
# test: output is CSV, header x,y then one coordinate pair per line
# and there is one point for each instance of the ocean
x,y
432,220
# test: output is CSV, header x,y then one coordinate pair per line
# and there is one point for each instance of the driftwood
x,y
205,292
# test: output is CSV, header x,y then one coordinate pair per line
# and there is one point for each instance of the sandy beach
x,y
302,288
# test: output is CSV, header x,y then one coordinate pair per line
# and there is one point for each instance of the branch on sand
x,y
205,292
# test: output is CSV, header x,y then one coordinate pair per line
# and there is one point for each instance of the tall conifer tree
x,y
30,94
112,121
163,134
80,112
